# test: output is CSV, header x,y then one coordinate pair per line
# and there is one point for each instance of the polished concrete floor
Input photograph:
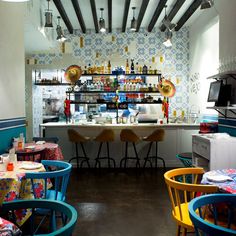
x,y
121,203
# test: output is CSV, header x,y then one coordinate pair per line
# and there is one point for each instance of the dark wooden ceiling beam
x,y
173,12
94,12
193,7
141,13
156,14
64,16
109,2
79,15
125,16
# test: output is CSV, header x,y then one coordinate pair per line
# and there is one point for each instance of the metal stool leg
x,y
97,159
85,156
147,158
77,154
108,155
160,158
136,154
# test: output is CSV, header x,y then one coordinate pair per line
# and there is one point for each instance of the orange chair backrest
x,y
157,136
127,135
107,135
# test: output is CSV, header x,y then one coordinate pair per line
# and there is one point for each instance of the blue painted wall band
x,y
12,123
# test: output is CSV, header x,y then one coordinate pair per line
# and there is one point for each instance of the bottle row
x,y
108,86
130,68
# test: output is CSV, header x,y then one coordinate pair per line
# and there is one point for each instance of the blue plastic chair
x,y
59,176
69,213
214,214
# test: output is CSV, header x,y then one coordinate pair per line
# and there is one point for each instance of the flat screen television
x,y
214,91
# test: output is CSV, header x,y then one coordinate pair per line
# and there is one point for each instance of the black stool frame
x,y
106,157
125,158
77,157
156,157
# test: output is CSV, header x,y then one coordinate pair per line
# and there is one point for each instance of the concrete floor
x,y
121,203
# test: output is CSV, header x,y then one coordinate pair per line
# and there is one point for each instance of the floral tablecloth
x,y
14,185
228,186
52,151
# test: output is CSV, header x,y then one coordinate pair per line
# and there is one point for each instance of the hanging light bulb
x,y
48,17
60,35
133,26
168,38
102,22
167,23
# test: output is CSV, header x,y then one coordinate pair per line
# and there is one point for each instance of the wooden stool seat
x,y
76,138
128,136
155,137
106,136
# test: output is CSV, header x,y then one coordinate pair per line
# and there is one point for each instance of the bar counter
x,y
178,138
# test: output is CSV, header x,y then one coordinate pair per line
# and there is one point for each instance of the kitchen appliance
x,y
214,151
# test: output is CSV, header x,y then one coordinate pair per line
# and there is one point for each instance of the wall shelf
x,y
225,75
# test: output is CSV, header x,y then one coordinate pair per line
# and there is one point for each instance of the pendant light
x,y
167,23
102,22
206,4
48,17
60,35
168,37
133,26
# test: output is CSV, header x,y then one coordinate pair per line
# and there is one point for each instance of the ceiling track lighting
x,y
206,4
168,37
102,22
133,26
167,23
60,35
48,17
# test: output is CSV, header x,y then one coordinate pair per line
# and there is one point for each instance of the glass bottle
x,y
132,67
127,67
85,70
136,68
109,67
144,69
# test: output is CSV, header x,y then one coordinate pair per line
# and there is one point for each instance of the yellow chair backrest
x,y
181,191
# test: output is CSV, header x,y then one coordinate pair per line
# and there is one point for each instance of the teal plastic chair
x,y
214,215
58,172
63,229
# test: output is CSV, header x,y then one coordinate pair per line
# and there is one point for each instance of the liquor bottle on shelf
x,y
127,67
132,66
89,69
136,68
145,69
109,67
85,70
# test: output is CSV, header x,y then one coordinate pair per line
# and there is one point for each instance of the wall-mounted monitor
x,y
219,93
214,91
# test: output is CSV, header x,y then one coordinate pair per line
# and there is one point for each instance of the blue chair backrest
x,y
46,139
69,213
58,172
214,214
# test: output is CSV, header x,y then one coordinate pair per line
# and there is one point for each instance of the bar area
x,y
113,112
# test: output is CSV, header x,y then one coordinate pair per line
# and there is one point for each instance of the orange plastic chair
x,y
181,193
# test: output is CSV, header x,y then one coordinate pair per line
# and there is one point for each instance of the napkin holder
x,y
4,160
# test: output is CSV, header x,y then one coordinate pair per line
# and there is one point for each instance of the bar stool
x,y
76,138
106,136
157,136
128,136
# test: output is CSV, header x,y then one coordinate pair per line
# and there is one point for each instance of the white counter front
x,y
178,138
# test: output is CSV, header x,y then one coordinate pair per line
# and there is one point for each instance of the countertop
x,y
90,124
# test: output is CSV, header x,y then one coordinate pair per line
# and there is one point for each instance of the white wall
x,y
12,62
204,56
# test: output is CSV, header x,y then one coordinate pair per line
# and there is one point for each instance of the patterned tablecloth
x,y
14,185
228,186
52,151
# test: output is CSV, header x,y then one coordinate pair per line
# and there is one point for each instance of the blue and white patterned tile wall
x,y
143,47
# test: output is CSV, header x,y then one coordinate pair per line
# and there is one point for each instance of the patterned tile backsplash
x,y
143,47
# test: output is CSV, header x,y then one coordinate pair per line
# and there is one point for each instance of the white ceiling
x,y
34,18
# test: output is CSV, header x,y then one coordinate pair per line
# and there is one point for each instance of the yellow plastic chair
x,y
181,193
